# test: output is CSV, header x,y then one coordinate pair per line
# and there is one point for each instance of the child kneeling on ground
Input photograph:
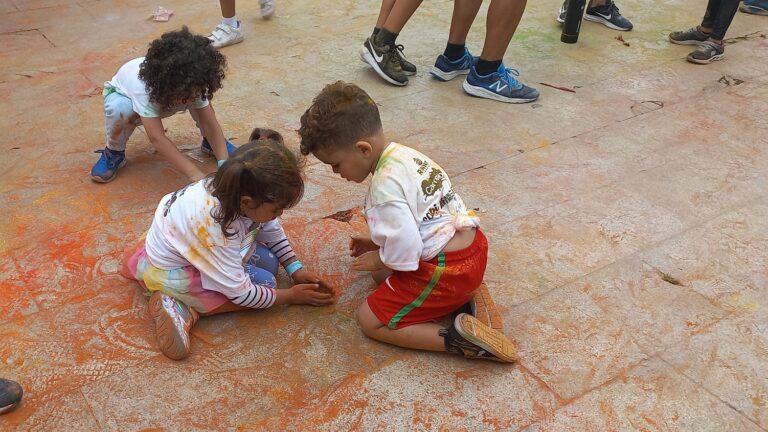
x,y
425,248
214,245
180,72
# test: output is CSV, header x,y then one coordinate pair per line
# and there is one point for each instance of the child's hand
x,y
369,261
304,276
361,245
310,294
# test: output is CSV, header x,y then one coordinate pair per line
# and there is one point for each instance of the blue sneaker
x,y
106,167
446,70
500,86
609,16
755,7
206,148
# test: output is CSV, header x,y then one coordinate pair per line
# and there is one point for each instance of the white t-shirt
x,y
184,233
411,208
127,82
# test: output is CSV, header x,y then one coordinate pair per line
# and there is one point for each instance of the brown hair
x,y
339,116
265,170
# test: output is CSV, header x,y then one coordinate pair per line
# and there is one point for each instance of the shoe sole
x,y
484,309
753,10
707,61
605,22
98,179
236,41
8,408
493,341
487,94
366,56
170,342
686,42
447,76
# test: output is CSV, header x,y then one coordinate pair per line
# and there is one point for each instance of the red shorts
x,y
437,288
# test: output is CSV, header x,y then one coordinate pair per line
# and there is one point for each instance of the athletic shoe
x,y
500,86
755,7
446,70
709,51
473,339
608,15
484,308
205,147
561,13
173,321
267,8
224,35
692,36
10,395
385,60
407,67
106,167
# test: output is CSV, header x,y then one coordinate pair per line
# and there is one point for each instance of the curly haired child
x,y
214,246
425,248
180,72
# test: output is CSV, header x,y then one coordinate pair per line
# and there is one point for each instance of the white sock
x,y
232,22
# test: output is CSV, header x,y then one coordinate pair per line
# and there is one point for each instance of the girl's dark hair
x,y
181,66
265,170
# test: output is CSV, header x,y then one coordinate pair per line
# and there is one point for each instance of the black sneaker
x,y
707,52
608,15
561,13
10,395
473,339
692,36
385,60
408,67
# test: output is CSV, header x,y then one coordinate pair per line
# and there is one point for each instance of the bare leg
x,y
419,336
227,8
501,22
380,276
400,14
386,8
464,13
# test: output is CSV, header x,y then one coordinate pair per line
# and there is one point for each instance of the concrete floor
x,y
628,227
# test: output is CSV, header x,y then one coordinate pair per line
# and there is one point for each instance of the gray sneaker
x,y
709,51
385,60
692,36
472,339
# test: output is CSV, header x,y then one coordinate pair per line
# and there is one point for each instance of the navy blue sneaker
x,y
608,15
446,70
500,86
206,148
106,167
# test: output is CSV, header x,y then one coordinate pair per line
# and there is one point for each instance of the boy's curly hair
x,y
181,66
339,116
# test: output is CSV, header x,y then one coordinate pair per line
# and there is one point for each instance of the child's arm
x,y
212,131
154,128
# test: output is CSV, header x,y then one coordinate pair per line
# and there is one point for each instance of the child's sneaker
x,y
709,51
10,395
484,308
608,15
407,67
473,339
500,86
224,35
106,167
173,321
561,13
755,7
692,36
385,60
205,147
446,70
267,8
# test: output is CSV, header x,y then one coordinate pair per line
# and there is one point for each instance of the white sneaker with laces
x,y
224,35
267,8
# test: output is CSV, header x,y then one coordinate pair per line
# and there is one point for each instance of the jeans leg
x,y
121,120
264,258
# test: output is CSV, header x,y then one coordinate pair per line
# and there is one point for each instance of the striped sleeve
x,y
258,297
282,250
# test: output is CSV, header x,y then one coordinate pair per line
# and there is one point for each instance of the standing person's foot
x,y
755,7
385,60
499,86
446,70
484,308
205,147
608,15
692,36
225,35
708,51
473,339
10,395
173,321
561,13
267,8
407,67
107,166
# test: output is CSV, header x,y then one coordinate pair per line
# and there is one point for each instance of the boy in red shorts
x,y
425,249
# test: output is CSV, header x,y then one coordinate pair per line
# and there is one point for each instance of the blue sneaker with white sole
x,y
755,7
106,167
446,70
500,86
206,148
